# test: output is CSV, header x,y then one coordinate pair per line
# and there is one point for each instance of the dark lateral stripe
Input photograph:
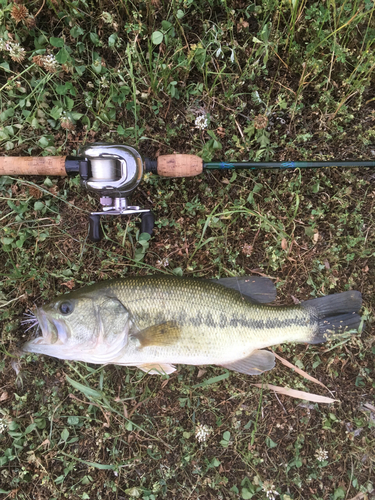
x,y
201,319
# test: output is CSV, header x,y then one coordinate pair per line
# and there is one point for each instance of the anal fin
x,y
157,368
258,362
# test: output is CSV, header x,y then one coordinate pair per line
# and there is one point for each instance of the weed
x,y
226,80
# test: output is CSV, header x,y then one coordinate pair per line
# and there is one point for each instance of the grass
x,y
282,80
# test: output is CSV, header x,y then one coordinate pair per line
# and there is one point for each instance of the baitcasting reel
x,y
113,171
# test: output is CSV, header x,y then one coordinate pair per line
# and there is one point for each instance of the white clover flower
x,y
107,17
321,455
50,63
202,432
16,52
156,487
88,100
201,122
162,263
104,83
3,44
66,121
3,425
270,490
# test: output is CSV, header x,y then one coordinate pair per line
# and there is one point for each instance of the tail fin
x,y
334,314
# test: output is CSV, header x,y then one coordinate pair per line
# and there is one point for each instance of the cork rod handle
x,y
177,165
32,165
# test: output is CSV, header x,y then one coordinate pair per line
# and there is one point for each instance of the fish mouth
x,y
53,332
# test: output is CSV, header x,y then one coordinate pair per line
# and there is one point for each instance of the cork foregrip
x,y
179,165
36,165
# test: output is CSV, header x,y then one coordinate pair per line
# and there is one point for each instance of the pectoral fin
x,y
165,334
255,364
157,368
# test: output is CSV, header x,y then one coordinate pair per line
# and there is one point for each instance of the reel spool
x,y
113,171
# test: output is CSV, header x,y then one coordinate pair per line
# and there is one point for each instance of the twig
x,y
10,301
282,406
40,10
169,105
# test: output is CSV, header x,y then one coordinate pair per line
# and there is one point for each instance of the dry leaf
x,y
284,244
35,192
360,496
293,393
369,407
4,396
164,383
46,443
69,284
295,300
298,370
242,24
316,237
201,372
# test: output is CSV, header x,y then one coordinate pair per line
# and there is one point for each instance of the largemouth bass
x,y
156,322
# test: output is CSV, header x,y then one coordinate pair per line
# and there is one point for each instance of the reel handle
x,y
96,232
95,229
147,222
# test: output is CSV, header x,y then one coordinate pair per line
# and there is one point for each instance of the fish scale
x,y
159,321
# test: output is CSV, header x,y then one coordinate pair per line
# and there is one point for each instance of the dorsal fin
x,y
254,288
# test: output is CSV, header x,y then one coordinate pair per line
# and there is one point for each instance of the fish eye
x,y
66,308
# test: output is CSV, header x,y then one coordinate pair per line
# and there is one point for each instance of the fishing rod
x,y
114,171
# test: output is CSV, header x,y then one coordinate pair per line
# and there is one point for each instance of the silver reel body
x,y
113,171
